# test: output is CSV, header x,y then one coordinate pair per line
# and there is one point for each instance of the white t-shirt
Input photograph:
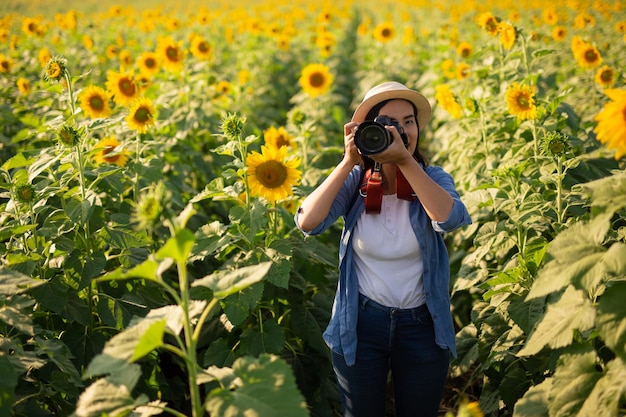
x,y
389,263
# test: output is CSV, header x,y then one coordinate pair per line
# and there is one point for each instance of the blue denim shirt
x,y
341,335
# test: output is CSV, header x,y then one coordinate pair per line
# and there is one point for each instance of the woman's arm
x,y
316,205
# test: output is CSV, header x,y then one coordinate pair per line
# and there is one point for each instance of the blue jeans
x,y
401,341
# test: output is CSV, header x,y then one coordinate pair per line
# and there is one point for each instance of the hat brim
x,y
420,102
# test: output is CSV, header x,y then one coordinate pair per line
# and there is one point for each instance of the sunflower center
x,y
271,174
110,158
316,80
523,101
204,47
386,33
281,141
142,115
591,55
96,103
127,87
150,63
172,53
606,76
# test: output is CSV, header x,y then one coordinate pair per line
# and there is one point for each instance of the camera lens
x,y
371,138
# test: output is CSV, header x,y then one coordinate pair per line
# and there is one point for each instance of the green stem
x,y
535,139
559,189
525,55
190,342
137,162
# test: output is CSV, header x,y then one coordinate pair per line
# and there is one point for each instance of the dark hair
x,y
368,162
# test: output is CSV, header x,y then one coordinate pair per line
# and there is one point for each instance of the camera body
x,y
371,137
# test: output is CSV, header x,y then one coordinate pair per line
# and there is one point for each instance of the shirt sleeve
x,y
459,216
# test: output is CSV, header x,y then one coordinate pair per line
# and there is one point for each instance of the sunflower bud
x,y
233,126
68,135
555,144
55,70
25,193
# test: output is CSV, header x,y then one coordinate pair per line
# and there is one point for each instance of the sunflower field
x,y
152,157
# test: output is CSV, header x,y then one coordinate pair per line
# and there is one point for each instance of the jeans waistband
x,y
364,300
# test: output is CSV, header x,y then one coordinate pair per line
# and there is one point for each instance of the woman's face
x,y
402,112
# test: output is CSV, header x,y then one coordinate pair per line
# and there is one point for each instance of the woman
x,y
392,307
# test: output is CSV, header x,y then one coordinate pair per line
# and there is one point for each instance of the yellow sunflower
x,y
279,137
32,27
94,101
23,86
43,56
5,64
55,70
488,22
462,70
384,32
605,76
559,33
587,56
270,175
126,58
142,114
520,101
112,51
122,86
611,127
108,152
223,88
171,53
200,48
316,79
550,16
464,49
88,42
445,98
508,34
148,63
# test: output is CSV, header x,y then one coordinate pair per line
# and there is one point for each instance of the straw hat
x,y
394,90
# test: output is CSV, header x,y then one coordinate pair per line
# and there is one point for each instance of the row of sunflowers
x,y
152,158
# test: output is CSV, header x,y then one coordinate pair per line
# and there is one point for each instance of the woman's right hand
x,y
351,152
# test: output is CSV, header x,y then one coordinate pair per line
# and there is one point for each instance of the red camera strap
x,y
372,188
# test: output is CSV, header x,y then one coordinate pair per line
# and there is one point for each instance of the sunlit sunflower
x,y
279,137
43,56
23,86
32,26
464,49
148,63
243,76
447,65
270,175
611,127
126,58
108,152
605,76
384,32
445,98
620,27
462,70
587,56
223,88
520,101
550,16
200,48
583,20
142,114
508,35
112,51
559,33
316,79
94,101
488,22
171,53
122,86
5,64
88,42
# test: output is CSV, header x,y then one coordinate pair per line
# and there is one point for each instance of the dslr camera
x,y
371,137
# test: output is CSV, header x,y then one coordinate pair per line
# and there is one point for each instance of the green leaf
x,y
267,389
606,397
8,382
576,257
59,353
611,318
105,398
149,269
17,312
13,282
573,381
270,338
609,193
177,247
535,402
467,350
151,339
225,283
237,306
570,313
